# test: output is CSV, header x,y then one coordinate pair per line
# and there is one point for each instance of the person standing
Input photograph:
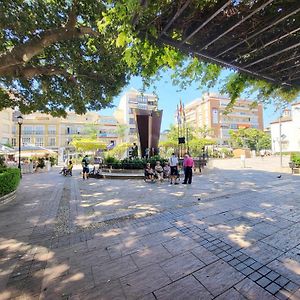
x,y
134,150
173,161
188,164
85,167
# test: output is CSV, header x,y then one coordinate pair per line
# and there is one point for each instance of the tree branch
x,y
23,53
30,72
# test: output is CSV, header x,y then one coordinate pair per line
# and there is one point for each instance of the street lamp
x,y
20,122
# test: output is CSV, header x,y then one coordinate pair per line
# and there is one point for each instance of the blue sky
x,y
169,95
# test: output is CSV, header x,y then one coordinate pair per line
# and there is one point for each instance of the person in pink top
x,y
188,164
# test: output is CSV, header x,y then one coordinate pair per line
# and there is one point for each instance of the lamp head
x,y
20,120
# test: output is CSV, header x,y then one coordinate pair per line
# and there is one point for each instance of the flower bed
x,y
9,180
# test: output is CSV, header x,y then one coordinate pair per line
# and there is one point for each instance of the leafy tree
x,y
88,144
118,151
195,143
134,26
121,131
63,54
250,137
53,58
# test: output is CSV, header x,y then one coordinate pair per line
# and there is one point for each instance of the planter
x,y
7,198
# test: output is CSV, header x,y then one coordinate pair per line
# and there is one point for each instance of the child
x,y
149,174
159,171
167,170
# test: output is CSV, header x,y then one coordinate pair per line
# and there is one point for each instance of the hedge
x,y
9,180
133,164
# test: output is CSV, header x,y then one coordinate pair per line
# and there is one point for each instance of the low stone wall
x,y
7,198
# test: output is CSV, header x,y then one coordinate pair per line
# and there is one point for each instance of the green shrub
x,y
2,161
9,180
295,158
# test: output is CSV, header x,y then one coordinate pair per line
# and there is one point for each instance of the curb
x,y
7,198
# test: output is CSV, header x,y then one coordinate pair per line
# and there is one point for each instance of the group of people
x,y
171,170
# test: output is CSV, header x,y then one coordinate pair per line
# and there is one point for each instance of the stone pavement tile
x,y
282,281
266,228
263,282
128,246
113,269
255,276
262,252
218,277
287,268
185,288
106,291
272,275
181,265
285,239
74,282
280,222
283,294
160,237
144,281
95,257
151,255
204,255
252,291
296,295
264,270
149,296
291,287
231,294
103,242
179,245
159,226
273,288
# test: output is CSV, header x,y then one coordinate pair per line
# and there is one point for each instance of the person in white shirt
x,y
173,161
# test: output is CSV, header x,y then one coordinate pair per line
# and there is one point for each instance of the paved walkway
x,y
233,234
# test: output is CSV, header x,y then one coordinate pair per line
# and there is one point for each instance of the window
x,y
5,128
142,106
233,126
14,142
39,130
5,140
27,130
39,141
131,121
25,141
132,131
52,129
51,141
14,129
68,130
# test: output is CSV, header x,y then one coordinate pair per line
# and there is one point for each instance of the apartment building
x,y
209,111
56,133
124,113
286,130
6,126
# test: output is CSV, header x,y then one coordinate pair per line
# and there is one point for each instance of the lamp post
x,y
20,122
280,139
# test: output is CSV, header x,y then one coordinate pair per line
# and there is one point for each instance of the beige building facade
x,y
55,133
209,112
7,126
124,113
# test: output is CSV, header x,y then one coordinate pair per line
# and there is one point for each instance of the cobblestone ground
x,y
233,234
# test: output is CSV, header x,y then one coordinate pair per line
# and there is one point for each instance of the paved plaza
x,y
233,234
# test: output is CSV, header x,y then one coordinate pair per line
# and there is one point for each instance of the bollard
x,y
243,161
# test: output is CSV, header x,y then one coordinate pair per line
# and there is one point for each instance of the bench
x,y
294,167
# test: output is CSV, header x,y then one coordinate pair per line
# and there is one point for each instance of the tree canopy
x,y
62,54
250,137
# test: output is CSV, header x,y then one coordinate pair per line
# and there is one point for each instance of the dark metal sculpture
x,y
148,124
